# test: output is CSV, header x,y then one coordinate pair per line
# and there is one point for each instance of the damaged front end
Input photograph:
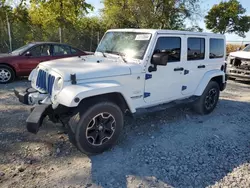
x,y
38,112
238,68
45,86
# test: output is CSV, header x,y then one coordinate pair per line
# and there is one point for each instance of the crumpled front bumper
x,y
23,95
35,119
239,74
31,96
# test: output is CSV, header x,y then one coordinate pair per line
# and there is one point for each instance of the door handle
x,y
186,72
179,69
201,66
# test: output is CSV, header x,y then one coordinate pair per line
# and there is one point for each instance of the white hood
x,y
241,54
89,67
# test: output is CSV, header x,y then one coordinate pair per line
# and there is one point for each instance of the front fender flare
x,y
69,93
206,79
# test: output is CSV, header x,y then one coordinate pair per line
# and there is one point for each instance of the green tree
x,y
51,14
228,17
162,14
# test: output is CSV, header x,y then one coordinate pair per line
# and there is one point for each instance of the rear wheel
x,y
7,74
96,129
208,100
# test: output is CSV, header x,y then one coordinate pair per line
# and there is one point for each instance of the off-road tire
x,y
11,73
79,123
200,106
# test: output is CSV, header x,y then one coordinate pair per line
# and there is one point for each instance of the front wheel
x,y
97,128
209,99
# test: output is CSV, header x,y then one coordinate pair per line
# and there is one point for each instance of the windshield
x,y
247,49
22,49
128,44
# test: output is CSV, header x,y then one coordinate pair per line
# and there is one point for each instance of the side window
x,y
171,46
74,51
41,50
45,50
216,48
196,49
59,50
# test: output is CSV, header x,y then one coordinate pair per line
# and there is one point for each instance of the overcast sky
x,y
205,6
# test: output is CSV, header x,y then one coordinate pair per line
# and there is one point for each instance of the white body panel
x,y
165,83
96,74
241,54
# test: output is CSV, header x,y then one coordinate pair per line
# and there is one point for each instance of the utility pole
x,y
98,37
9,32
60,34
90,48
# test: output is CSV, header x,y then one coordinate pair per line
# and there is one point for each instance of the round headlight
x,y
33,75
58,84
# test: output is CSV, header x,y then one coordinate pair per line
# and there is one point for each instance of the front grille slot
x,y
45,81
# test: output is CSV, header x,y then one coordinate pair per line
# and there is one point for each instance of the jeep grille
x,y
45,81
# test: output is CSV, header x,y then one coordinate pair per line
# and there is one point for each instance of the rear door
x,y
196,63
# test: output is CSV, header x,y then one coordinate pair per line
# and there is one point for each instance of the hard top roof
x,y
163,31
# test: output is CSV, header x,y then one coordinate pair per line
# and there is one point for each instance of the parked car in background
x,y
23,60
239,64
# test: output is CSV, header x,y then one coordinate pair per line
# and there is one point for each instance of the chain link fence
x,y
86,39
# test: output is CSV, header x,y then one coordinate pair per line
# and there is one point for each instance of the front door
x,y
37,55
165,84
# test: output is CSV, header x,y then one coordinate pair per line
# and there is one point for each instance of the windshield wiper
x,y
103,53
119,54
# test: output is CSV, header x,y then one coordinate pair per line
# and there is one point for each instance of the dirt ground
x,y
171,148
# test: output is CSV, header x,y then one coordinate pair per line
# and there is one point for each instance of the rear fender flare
x,y
206,79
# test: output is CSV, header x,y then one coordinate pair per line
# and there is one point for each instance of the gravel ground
x,y
172,148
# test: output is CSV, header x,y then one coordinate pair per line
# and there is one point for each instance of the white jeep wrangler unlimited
x,y
131,70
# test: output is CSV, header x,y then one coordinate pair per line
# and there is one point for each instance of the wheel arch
x,y
114,97
73,95
12,67
218,80
215,75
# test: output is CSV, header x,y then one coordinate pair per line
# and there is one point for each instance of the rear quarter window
x,y
216,48
196,48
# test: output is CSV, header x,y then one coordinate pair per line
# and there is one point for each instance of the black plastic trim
x,y
35,119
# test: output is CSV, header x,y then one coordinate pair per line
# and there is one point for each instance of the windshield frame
x,y
247,48
22,49
120,53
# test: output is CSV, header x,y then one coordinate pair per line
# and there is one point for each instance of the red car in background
x,y
23,60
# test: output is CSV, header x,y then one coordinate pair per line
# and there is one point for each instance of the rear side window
x,y
41,50
60,50
216,48
171,46
196,48
74,51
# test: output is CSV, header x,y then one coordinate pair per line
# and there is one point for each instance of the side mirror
x,y
28,54
160,59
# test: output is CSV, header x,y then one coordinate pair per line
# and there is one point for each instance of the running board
x,y
164,106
